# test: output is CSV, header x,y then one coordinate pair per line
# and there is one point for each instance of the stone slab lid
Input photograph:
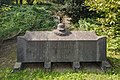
x,y
51,36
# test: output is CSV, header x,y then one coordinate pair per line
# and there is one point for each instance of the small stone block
x,y
47,65
106,64
76,66
17,66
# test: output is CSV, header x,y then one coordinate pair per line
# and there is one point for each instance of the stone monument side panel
x,y
35,51
101,48
21,48
62,51
87,51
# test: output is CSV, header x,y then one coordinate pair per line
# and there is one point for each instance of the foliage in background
x,y
109,10
73,8
35,17
109,20
29,2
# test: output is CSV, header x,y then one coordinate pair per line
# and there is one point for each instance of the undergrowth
x,y
25,17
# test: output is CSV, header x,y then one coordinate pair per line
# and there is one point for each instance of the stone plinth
x,y
47,47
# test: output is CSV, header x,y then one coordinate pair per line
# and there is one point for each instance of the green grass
x,y
25,17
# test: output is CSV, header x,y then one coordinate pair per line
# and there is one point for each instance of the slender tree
x,y
21,1
30,2
16,1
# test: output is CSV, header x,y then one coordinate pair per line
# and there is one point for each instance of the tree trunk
x,y
16,1
30,2
21,1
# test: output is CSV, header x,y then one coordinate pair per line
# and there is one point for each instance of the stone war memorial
x,y
61,45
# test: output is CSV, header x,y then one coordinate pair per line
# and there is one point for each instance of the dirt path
x,y
8,54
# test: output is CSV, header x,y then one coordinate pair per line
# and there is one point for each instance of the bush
x,y
109,20
73,8
110,8
25,18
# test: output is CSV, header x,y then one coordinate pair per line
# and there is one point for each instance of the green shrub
x,y
25,18
73,8
109,20
110,8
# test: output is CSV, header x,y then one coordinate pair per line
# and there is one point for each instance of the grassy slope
x,y
25,17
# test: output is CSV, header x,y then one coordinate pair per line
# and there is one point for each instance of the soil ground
x,y
8,54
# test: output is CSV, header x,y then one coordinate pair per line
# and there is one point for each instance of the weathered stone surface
x,y
45,46
49,35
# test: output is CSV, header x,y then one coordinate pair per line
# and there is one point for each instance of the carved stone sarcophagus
x,y
47,47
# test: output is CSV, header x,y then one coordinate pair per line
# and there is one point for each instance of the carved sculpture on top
x,y
61,28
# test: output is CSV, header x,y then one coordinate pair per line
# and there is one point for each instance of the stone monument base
x,y
47,47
